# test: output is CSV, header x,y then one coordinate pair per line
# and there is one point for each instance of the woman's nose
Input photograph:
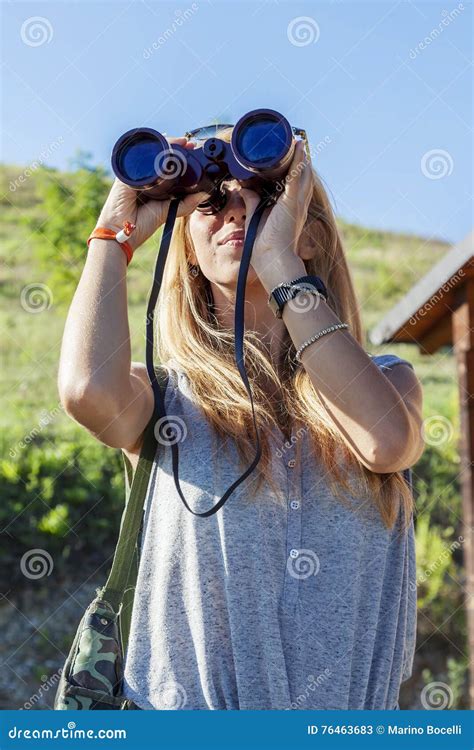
x,y
234,209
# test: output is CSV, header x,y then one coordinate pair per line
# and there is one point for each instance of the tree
x,y
71,203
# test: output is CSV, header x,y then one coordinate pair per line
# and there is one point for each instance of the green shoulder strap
x,y
119,588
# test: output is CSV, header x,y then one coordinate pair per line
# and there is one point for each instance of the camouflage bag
x,y
92,676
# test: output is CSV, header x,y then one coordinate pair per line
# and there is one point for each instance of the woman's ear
x,y
307,244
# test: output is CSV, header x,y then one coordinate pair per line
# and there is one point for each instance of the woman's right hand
x,y
121,205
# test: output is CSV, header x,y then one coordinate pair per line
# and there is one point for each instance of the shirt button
x,y
294,504
293,553
292,463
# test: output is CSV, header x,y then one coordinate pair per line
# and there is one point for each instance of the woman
x,y
300,592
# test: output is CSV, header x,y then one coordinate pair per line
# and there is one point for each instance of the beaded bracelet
x,y
309,341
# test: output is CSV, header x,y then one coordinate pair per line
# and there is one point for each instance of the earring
x,y
194,271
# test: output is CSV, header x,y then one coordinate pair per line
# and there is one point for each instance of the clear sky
x,y
383,89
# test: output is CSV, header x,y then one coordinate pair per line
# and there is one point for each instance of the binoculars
x,y
259,155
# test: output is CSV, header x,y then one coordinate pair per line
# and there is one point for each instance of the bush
x,y
62,496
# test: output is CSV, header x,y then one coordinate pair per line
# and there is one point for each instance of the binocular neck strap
x,y
162,425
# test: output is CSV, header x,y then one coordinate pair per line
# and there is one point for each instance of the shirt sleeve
x,y
387,361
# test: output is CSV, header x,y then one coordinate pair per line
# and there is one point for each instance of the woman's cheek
x,y
204,236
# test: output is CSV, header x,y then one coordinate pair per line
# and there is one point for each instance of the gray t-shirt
x,y
306,604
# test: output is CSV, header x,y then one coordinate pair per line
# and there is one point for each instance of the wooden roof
x,y
423,315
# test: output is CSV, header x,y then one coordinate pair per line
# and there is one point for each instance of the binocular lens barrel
x,y
261,141
136,155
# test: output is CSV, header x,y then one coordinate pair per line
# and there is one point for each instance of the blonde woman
x,y
299,593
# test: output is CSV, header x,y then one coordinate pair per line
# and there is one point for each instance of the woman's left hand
x,y
281,225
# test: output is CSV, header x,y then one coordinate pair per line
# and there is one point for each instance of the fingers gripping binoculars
x,y
259,155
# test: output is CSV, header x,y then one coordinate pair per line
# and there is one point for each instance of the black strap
x,y
165,426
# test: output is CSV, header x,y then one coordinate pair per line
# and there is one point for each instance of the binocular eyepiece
x,y
259,155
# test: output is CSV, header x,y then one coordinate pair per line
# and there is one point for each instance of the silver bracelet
x,y
317,336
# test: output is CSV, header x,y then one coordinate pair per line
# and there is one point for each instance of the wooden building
x,y
439,311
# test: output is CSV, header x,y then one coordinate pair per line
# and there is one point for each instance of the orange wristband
x,y
101,233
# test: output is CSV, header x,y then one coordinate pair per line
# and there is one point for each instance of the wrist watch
x,y
287,290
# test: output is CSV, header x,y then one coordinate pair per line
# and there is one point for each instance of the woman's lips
x,y
235,238
235,243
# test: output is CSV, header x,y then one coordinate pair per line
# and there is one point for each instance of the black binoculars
x,y
259,154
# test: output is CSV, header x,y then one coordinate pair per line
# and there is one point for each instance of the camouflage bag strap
x,y
122,576
129,593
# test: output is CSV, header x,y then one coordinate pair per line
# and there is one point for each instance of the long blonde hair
x,y
189,334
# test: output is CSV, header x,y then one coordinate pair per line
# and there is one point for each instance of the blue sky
x,y
383,89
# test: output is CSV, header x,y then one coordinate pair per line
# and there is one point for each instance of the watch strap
x,y
287,290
